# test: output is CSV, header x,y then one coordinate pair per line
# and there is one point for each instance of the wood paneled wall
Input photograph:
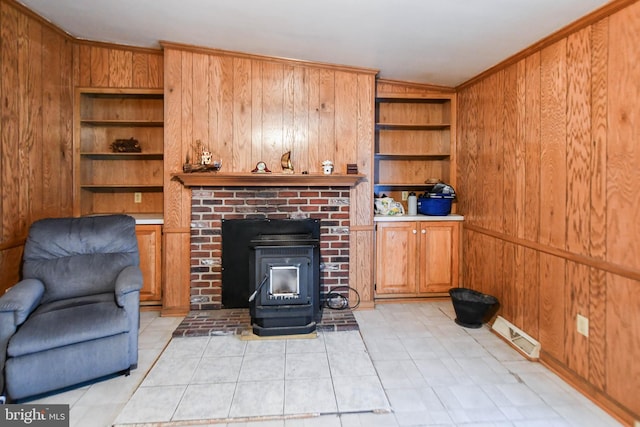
x,y
40,66
105,65
548,168
35,130
248,108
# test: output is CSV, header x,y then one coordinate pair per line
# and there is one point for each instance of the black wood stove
x,y
285,283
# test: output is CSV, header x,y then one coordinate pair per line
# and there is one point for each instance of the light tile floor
x,y
433,373
226,378
98,404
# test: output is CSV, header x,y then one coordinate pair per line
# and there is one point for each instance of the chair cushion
x,y
79,256
66,323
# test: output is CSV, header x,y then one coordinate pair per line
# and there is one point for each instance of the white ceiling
x,y
443,42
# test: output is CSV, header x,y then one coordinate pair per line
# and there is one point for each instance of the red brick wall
x,y
209,206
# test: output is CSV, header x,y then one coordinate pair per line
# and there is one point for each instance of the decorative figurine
x,y
327,167
285,162
206,158
203,160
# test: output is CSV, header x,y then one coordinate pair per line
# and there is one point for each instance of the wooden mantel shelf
x,y
216,179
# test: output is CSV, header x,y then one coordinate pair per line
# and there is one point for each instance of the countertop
x,y
391,218
148,218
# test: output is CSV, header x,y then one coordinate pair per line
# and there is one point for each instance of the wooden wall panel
x,y
106,65
623,150
578,194
578,140
246,109
242,110
532,147
41,65
553,138
623,346
566,160
35,130
598,200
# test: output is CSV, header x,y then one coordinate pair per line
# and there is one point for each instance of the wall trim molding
x,y
296,62
608,267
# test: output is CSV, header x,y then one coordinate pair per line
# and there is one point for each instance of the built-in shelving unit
x,y
414,142
118,182
108,182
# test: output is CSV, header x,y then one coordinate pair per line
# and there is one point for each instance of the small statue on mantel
x,y
204,160
285,161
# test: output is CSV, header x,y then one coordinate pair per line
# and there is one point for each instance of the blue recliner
x,y
74,316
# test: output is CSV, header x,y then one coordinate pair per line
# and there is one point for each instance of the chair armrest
x,y
22,299
129,280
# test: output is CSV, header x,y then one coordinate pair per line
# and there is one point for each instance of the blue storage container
x,y
435,204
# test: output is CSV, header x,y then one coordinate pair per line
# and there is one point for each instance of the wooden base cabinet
x,y
150,248
416,258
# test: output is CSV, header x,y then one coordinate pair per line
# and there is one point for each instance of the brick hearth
x,y
210,205
235,321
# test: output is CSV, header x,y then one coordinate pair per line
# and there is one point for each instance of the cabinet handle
x,y
415,231
424,231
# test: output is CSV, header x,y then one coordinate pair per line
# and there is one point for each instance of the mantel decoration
x,y
204,159
261,167
285,162
130,145
327,167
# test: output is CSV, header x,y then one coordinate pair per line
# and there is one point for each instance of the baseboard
x,y
609,405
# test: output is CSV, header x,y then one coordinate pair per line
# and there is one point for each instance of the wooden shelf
x,y
123,156
404,126
403,186
414,99
123,123
387,156
217,179
415,141
111,188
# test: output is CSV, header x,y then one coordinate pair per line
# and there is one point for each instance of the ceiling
x,y
442,42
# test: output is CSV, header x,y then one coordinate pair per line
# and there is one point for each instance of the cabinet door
x,y
149,246
396,257
438,257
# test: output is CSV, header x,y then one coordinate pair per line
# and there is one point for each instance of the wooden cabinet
x,y
118,182
416,258
415,141
150,248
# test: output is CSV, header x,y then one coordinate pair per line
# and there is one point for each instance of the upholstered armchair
x,y
74,316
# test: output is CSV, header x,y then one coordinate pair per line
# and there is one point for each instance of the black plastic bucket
x,y
472,308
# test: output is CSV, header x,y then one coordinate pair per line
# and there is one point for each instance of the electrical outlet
x,y
137,197
405,195
582,324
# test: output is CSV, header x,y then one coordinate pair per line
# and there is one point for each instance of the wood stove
x,y
285,284
281,262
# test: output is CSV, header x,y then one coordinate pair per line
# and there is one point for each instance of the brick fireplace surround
x,y
210,205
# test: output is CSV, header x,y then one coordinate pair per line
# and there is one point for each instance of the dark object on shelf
x,y
352,168
130,145
472,308
212,167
